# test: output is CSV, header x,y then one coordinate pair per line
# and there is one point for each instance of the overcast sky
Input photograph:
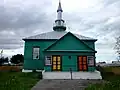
x,y
94,18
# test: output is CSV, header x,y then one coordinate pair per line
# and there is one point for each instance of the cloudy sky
x,y
94,18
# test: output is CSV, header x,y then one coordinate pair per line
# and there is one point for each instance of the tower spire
x,y
59,7
59,23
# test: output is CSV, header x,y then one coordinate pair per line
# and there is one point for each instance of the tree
x,y
117,47
3,60
19,58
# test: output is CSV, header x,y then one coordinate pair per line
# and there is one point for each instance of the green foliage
x,y
17,58
17,80
113,80
114,85
2,60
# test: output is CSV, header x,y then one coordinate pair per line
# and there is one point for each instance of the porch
x,y
75,75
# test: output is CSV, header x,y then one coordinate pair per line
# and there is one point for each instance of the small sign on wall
x,y
90,60
47,60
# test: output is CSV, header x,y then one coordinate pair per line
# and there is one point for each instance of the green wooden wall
x,y
29,63
69,63
69,42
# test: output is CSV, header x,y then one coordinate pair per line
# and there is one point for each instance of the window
x,y
36,53
47,60
90,60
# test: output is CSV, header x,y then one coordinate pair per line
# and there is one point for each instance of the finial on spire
x,y
59,7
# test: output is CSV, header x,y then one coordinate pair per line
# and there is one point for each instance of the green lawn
x,y
111,75
17,80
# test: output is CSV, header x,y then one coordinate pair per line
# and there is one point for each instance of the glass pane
x,y
80,62
54,58
84,58
84,62
58,66
54,66
80,67
58,62
58,58
54,62
35,50
85,67
35,56
80,58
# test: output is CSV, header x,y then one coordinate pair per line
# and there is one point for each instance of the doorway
x,y
56,63
82,63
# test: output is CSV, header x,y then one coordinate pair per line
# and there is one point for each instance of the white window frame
x,y
36,54
92,61
48,60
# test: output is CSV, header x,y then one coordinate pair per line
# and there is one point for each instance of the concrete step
x,y
75,75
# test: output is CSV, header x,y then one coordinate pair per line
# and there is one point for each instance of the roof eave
x,y
69,51
39,39
89,39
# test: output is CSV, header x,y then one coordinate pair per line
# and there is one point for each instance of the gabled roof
x,y
56,35
90,49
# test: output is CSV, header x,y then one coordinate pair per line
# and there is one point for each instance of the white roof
x,y
56,35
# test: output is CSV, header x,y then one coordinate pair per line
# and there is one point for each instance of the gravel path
x,y
64,84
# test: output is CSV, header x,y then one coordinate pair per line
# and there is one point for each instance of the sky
x,y
98,19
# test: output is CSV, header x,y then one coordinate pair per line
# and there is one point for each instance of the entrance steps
x,y
75,75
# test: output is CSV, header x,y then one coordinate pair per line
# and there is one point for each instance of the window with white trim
x,y
90,60
36,53
47,60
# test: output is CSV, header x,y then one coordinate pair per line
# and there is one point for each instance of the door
x,y
56,63
82,63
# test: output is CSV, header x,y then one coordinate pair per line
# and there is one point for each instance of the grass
x,y
17,80
112,76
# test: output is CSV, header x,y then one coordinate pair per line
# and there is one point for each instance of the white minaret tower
x,y
59,23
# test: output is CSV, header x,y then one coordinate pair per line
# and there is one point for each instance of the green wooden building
x,y
59,50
